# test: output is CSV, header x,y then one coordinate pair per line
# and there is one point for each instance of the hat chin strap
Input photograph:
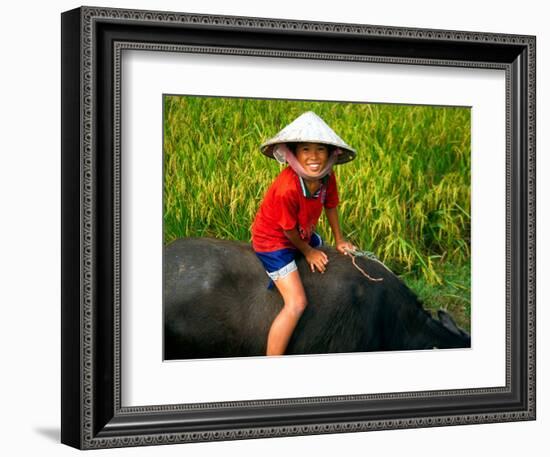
x,y
283,154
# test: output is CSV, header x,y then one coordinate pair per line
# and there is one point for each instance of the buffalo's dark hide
x,y
216,304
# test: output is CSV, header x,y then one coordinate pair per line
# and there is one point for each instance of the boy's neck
x,y
312,185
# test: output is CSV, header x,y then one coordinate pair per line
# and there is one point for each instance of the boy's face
x,y
312,156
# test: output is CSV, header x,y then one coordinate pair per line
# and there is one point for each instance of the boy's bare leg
x,y
294,296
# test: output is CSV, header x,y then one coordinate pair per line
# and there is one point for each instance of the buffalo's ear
x,y
448,322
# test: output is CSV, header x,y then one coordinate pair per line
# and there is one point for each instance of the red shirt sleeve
x,y
332,199
287,214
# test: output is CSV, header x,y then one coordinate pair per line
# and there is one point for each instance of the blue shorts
x,y
280,263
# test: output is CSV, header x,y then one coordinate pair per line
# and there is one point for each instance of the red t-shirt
x,y
285,207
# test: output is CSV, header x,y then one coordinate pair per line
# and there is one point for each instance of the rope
x,y
369,255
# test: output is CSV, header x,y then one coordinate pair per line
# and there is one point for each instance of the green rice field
x,y
406,197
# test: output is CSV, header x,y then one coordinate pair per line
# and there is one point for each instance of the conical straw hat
x,y
309,128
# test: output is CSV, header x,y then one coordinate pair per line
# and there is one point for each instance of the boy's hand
x,y
344,245
317,259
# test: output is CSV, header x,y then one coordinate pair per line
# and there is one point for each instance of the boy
x,y
285,222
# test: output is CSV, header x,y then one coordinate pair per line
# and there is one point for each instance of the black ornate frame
x,y
92,42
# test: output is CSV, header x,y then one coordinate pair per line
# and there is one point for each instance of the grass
x,y
453,295
406,196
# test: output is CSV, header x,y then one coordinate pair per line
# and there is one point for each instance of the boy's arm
x,y
315,258
341,243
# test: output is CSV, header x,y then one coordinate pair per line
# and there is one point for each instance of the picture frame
x,y
93,415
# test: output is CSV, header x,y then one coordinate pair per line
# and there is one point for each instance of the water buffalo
x,y
216,304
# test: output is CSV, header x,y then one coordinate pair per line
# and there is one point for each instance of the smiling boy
x,y
286,220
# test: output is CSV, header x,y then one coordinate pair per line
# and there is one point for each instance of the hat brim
x,y
347,155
